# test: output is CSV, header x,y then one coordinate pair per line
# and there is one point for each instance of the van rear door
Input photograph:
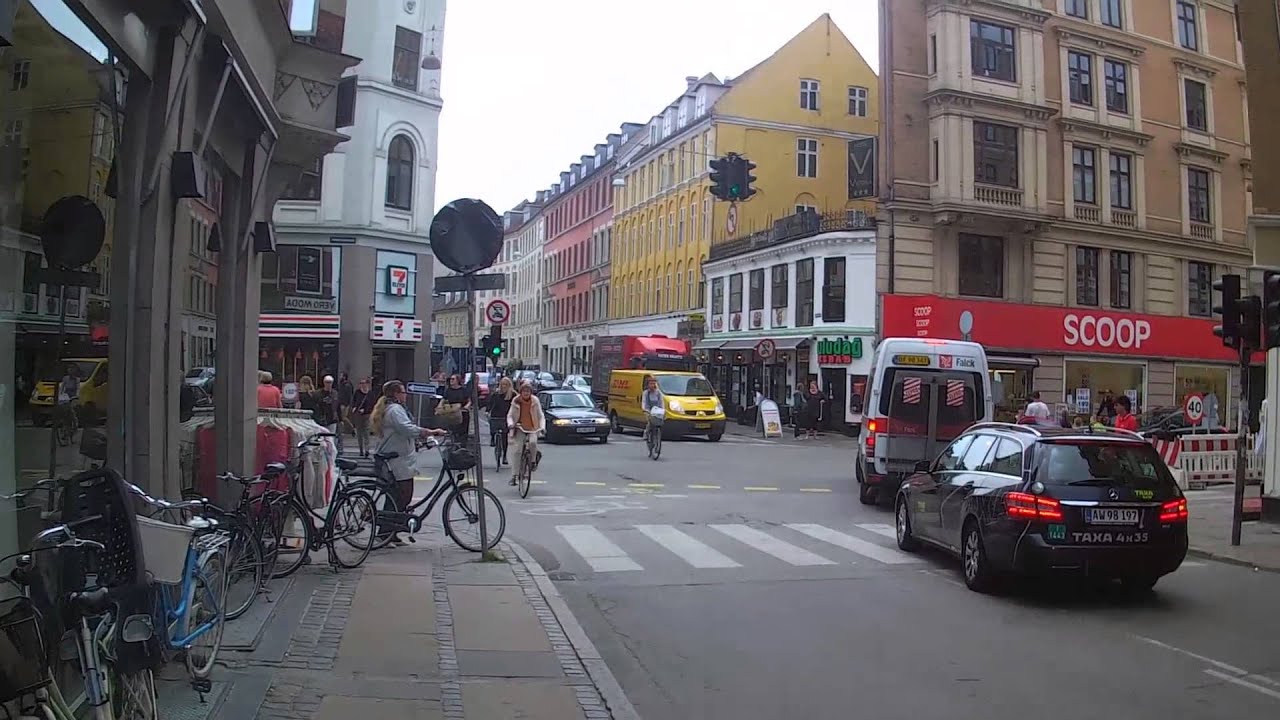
x,y
925,410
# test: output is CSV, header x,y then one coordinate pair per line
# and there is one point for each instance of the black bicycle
x,y
498,435
460,513
654,437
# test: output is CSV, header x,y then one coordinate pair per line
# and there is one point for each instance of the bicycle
x,y
653,437
347,505
498,432
523,476
459,499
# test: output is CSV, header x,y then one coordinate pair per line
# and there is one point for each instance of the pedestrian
x,y
396,432
307,399
1125,419
269,395
813,401
328,411
458,396
797,411
1037,411
362,403
346,391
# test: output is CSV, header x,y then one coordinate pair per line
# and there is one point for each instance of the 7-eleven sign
x,y
396,329
397,280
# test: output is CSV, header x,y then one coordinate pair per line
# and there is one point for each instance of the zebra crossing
x,y
719,546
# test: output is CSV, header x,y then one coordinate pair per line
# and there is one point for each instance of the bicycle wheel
x,y
244,565
525,480
266,519
462,521
351,526
134,696
657,443
294,546
383,502
205,606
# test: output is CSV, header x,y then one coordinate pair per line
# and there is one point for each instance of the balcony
x,y
1202,231
1124,218
1088,213
996,195
792,228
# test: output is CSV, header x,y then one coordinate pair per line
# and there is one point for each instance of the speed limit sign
x,y
1193,408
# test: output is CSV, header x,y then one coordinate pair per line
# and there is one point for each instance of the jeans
x,y
334,428
361,424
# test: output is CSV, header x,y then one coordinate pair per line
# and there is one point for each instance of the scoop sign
x,y
497,312
1193,408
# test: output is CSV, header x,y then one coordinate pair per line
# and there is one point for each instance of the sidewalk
x,y
828,438
419,633
1210,529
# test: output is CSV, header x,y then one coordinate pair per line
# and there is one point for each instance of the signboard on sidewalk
x,y
770,419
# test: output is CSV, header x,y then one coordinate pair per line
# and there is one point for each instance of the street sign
x,y
1193,408
420,388
458,283
497,312
765,349
466,236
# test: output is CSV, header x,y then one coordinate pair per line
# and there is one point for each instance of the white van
x,y
923,393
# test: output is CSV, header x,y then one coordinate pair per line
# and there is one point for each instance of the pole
x,y
62,340
475,408
1242,448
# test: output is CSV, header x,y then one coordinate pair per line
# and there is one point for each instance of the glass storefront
x,y
1010,392
1089,383
1214,384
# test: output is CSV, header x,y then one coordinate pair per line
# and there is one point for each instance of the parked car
x,y
581,383
1169,423
200,376
1025,500
482,386
549,381
572,414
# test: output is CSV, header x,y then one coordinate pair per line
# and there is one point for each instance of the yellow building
x,y
795,115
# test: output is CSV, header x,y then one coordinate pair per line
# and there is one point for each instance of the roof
x,y
1059,433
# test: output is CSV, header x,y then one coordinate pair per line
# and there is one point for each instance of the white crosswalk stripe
x,y
853,544
694,552
599,551
766,543
881,529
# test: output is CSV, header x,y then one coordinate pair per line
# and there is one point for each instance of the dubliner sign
x,y
1043,328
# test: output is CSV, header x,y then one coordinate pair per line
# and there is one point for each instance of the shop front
x,y
841,365
1080,359
737,367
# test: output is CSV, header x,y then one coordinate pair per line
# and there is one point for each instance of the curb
x,y
1229,560
607,685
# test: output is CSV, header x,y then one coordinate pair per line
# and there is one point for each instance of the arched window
x,y
400,173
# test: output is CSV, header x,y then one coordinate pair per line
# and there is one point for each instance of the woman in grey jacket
x,y
397,431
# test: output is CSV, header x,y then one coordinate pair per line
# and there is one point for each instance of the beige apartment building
x,y
1062,181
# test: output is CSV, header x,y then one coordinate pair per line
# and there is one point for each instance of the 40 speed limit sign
x,y
1193,408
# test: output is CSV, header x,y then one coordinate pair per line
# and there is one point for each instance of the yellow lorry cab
x,y
692,405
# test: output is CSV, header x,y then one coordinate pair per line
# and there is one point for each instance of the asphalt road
x,y
742,579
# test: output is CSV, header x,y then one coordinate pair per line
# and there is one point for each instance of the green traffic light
x,y
735,190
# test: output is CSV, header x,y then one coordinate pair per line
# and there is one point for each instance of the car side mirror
x,y
924,466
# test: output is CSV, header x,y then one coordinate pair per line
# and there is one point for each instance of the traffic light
x,y
1251,322
721,170
747,178
493,343
1229,309
1270,309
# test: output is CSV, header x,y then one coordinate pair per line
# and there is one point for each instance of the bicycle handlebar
x,y
47,485
165,504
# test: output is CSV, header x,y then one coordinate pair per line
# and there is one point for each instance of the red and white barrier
x,y
1201,460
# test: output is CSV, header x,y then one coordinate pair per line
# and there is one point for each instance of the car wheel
x,y
906,539
604,439
1139,584
868,494
613,421
978,575
715,437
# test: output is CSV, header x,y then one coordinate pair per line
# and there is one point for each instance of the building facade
x,y
806,116
575,260
351,290
525,231
1063,181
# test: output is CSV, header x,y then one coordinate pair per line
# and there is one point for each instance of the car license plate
x,y
586,430
702,426
1112,516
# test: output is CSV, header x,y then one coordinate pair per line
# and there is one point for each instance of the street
x,y
742,579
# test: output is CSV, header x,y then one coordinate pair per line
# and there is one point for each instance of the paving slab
x,y
336,707
388,654
495,618
481,573
398,561
505,664
390,604
520,700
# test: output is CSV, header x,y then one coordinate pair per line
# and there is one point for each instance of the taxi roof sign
x,y
913,360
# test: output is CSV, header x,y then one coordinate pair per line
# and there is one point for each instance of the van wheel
x,y
617,426
715,437
868,494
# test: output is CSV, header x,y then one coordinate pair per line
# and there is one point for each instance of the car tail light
x,y
1025,506
1174,511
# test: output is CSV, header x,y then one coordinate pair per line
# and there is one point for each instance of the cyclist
x,y
499,405
525,419
653,404
395,428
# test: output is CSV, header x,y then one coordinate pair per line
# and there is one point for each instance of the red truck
x,y
630,352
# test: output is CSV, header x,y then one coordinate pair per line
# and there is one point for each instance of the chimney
x,y
691,80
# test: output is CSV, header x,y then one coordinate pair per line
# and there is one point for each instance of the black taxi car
x,y
1022,500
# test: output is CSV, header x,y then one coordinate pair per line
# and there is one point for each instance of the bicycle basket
x,y
22,651
459,459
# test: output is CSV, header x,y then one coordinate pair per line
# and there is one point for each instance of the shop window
x,y
833,289
1092,386
1086,276
804,292
735,293
1121,280
1199,289
981,266
1213,383
779,294
756,300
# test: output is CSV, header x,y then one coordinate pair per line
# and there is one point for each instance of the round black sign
x,y
72,232
466,235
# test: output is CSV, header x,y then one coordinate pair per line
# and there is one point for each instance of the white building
x,y
793,304
521,261
343,293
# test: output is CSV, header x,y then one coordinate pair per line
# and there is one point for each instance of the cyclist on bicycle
x,y
395,428
653,404
525,419
499,405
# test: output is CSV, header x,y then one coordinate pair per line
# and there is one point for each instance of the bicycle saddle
x,y
386,456
275,468
347,464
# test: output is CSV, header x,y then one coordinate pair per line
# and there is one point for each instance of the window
x,y
858,101
21,75
405,63
756,300
1083,174
695,300
1116,75
1078,8
102,140
1112,14
1121,181
995,154
977,452
1121,280
1006,460
804,292
833,289
735,293
981,266
1196,96
1086,276
13,133
801,209
1188,28
1199,288
809,95
1198,195
778,296
993,51
933,54
950,458
936,160
1080,77
400,174
806,158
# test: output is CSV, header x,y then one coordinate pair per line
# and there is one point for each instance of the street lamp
x,y
431,62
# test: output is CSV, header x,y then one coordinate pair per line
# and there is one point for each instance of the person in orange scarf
x,y
525,419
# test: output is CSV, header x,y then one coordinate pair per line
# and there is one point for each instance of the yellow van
x,y
692,405
92,404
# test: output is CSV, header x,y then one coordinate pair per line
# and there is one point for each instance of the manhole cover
x,y
562,576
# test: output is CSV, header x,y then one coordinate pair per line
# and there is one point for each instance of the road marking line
x,y
654,486
1191,563
815,490
592,484
888,531
538,482
1244,683
766,543
1216,663
694,552
853,544
760,489
609,497
669,495
599,551
704,487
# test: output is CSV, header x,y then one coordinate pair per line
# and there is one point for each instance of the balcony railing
x,y
1201,231
1124,218
994,195
1088,213
792,228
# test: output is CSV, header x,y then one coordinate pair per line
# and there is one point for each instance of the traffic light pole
x,y
1242,448
475,410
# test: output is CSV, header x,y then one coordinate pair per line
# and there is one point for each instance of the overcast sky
x,y
529,87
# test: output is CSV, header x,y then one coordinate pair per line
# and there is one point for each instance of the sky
x,y
528,91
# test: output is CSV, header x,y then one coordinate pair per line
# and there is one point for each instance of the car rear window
x,y
1116,464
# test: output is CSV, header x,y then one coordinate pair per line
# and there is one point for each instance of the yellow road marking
x,y
704,487
816,490
538,482
593,484
760,489
656,486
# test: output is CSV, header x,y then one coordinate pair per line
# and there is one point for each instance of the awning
x,y
709,345
1017,361
790,343
749,344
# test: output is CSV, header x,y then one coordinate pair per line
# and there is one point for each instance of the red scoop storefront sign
x,y
1051,329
